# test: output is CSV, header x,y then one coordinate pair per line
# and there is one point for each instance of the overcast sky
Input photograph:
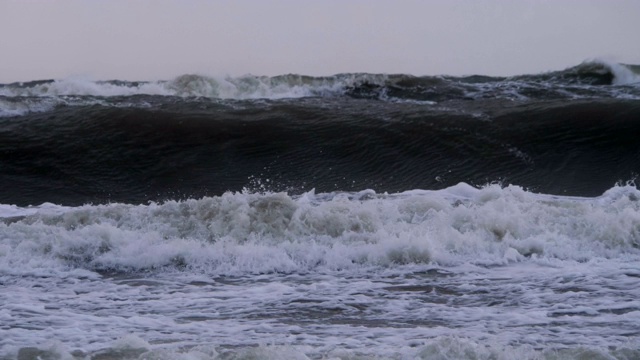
x,y
158,39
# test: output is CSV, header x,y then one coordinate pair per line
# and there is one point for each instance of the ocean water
x,y
355,216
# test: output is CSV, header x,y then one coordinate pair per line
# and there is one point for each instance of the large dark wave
x,y
176,148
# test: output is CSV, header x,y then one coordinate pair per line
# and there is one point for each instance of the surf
x,y
576,82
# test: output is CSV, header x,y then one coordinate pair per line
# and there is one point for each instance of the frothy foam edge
x,y
243,87
246,233
440,347
288,86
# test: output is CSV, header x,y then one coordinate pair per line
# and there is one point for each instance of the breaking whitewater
x,y
356,216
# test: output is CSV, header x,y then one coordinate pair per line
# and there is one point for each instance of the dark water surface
x,y
191,148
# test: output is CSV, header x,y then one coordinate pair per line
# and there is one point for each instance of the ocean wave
x,y
584,80
248,233
173,148
212,216
591,72
191,85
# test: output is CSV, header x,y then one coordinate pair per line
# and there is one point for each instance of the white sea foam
x,y
77,86
464,273
274,232
39,96
622,75
445,347
17,100
18,107
242,87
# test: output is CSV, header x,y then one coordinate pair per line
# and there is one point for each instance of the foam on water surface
x,y
591,79
463,272
240,233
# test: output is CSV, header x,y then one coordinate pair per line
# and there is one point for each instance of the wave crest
x,y
274,232
578,81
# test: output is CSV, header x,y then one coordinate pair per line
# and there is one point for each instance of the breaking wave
x,y
239,233
591,78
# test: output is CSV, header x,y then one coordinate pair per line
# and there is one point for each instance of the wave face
x,y
145,148
357,216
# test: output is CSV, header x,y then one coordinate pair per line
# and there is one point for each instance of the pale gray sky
x,y
159,39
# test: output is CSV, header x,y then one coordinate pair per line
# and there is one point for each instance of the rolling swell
x,y
183,148
591,79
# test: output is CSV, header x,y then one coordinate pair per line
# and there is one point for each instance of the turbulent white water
x,y
492,273
244,87
572,83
